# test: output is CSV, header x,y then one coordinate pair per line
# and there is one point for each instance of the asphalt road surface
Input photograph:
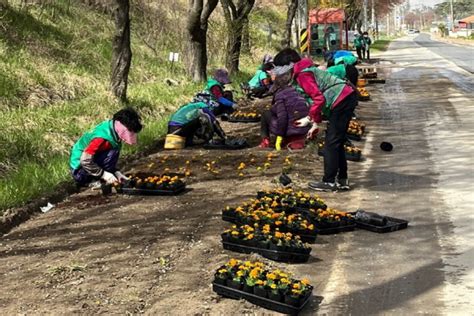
x,y
462,56
426,111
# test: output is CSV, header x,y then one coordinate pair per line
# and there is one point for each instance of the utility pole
x,y
452,14
365,23
373,14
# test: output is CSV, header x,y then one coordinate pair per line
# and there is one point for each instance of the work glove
x,y
109,178
305,121
313,131
121,177
278,142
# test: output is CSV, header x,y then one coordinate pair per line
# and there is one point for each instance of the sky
x,y
429,3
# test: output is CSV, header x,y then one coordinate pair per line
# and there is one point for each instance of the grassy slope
x,y
54,68
381,44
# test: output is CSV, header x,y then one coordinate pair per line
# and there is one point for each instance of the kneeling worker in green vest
x,y
195,119
95,155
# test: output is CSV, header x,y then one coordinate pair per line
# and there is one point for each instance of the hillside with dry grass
x,y
54,78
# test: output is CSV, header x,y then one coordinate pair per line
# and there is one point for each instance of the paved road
x,y
462,56
426,110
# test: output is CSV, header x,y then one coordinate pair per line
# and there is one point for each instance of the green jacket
x,y
104,130
359,42
329,85
187,113
257,79
347,60
338,71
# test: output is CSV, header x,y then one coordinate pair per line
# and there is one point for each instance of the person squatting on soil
x,y
215,88
332,97
95,155
261,82
195,119
288,106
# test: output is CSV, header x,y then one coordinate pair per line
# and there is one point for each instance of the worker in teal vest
x,y
95,155
195,119
215,88
261,82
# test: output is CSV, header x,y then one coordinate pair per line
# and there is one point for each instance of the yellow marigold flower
x,y
259,282
271,276
311,227
233,262
248,263
250,236
267,165
285,281
240,273
278,223
255,273
297,286
222,271
273,286
235,233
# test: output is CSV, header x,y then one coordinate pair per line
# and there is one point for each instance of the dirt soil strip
x,y
157,255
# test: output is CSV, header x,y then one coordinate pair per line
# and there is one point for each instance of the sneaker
x,y
265,143
323,186
343,184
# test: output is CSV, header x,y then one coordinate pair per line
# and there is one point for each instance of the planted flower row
x,y
265,215
153,182
265,238
255,278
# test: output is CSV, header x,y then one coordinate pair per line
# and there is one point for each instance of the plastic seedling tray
x,y
244,120
369,75
228,144
280,307
178,189
349,156
276,255
376,80
393,224
354,137
364,98
336,230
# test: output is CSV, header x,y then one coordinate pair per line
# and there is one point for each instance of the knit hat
x,y
124,134
281,70
222,76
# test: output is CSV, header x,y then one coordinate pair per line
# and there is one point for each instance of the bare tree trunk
x,y
121,51
246,38
292,6
197,30
236,15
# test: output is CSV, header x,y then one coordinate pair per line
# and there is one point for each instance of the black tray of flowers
x,y
244,117
364,98
273,290
330,221
373,80
274,245
152,185
292,200
355,137
378,223
301,226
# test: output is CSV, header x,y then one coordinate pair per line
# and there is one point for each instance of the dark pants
x,y
335,163
368,53
265,122
359,52
352,74
107,160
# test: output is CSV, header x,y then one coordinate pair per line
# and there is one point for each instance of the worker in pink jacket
x,y
326,94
